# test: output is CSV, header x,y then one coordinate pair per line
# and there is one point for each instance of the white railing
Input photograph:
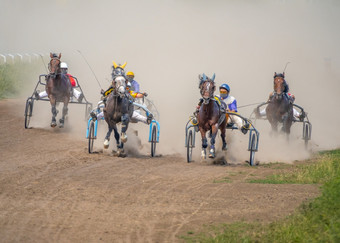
x,y
18,57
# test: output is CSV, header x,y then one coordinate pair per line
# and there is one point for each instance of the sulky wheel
x,y
252,150
189,146
91,137
153,141
306,134
28,112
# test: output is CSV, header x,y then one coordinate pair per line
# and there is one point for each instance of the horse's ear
x,y
283,74
123,66
204,77
51,55
59,55
114,64
213,77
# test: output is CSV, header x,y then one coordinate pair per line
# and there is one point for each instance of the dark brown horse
x,y
58,88
210,117
280,107
118,109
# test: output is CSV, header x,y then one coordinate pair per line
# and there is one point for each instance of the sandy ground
x,y
51,189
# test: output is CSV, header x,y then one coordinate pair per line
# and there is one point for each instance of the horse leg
x,y
107,138
65,110
54,111
125,124
212,141
224,142
204,143
120,145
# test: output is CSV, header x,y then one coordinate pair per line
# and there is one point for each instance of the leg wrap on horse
x,y
54,110
125,122
65,110
204,143
212,142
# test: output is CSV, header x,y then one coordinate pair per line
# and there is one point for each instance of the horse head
x,y
54,64
207,87
118,78
279,87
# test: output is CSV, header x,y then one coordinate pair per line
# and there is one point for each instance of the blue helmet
x,y
225,86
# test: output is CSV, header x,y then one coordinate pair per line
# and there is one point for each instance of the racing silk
x,y
231,103
72,81
133,93
134,86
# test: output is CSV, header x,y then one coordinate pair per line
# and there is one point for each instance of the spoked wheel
x,y
153,141
306,134
28,112
252,150
91,137
189,147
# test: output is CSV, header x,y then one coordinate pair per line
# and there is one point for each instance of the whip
x,y
286,66
42,59
90,68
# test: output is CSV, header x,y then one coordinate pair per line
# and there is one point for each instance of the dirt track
x,y
51,189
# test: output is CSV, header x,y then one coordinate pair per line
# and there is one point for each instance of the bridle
x,y
207,86
57,66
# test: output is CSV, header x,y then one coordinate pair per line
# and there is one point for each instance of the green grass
x,y
15,77
326,167
316,221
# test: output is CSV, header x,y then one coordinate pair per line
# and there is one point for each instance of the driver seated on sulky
x,y
297,115
76,93
230,104
136,116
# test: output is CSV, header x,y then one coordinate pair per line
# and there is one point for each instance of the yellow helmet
x,y
130,74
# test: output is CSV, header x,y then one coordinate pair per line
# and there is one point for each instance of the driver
x,y
76,93
136,116
230,104
297,115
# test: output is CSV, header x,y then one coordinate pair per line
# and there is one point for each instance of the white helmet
x,y
63,65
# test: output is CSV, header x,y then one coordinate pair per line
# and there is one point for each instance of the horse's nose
x,y
121,89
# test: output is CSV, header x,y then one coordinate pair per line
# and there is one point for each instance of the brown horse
x,y
210,117
280,107
58,88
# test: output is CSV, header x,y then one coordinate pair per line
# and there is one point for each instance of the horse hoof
x,y
61,125
53,124
121,153
212,153
203,155
225,148
124,138
106,144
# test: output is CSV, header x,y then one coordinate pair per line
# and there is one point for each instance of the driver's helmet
x,y
224,94
63,67
225,86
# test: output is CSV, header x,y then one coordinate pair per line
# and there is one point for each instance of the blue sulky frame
x,y
154,128
30,100
190,136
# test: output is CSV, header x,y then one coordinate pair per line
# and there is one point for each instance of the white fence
x,y
20,57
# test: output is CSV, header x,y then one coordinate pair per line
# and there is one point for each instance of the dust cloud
x,y
168,43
